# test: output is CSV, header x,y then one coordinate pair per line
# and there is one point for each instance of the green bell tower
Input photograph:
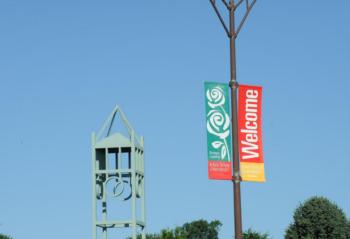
x,y
118,181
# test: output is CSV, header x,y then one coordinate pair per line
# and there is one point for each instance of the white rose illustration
x,y
218,124
215,97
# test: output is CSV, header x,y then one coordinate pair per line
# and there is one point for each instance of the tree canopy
x,y
200,229
4,237
318,218
250,234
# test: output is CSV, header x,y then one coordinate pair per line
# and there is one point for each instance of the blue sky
x,y
65,64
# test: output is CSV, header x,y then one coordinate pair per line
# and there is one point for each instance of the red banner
x,y
250,133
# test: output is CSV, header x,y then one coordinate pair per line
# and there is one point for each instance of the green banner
x,y
218,130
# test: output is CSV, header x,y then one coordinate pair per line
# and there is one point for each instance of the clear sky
x,y
65,64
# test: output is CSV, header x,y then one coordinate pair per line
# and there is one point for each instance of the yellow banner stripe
x,y
253,172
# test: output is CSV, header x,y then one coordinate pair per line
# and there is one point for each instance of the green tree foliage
x,y
318,218
4,237
250,234
199,229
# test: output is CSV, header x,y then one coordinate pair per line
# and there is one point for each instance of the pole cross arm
x,y
233,6
238,4
220,17
249,7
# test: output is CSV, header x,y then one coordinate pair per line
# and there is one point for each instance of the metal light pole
x,y
232,34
